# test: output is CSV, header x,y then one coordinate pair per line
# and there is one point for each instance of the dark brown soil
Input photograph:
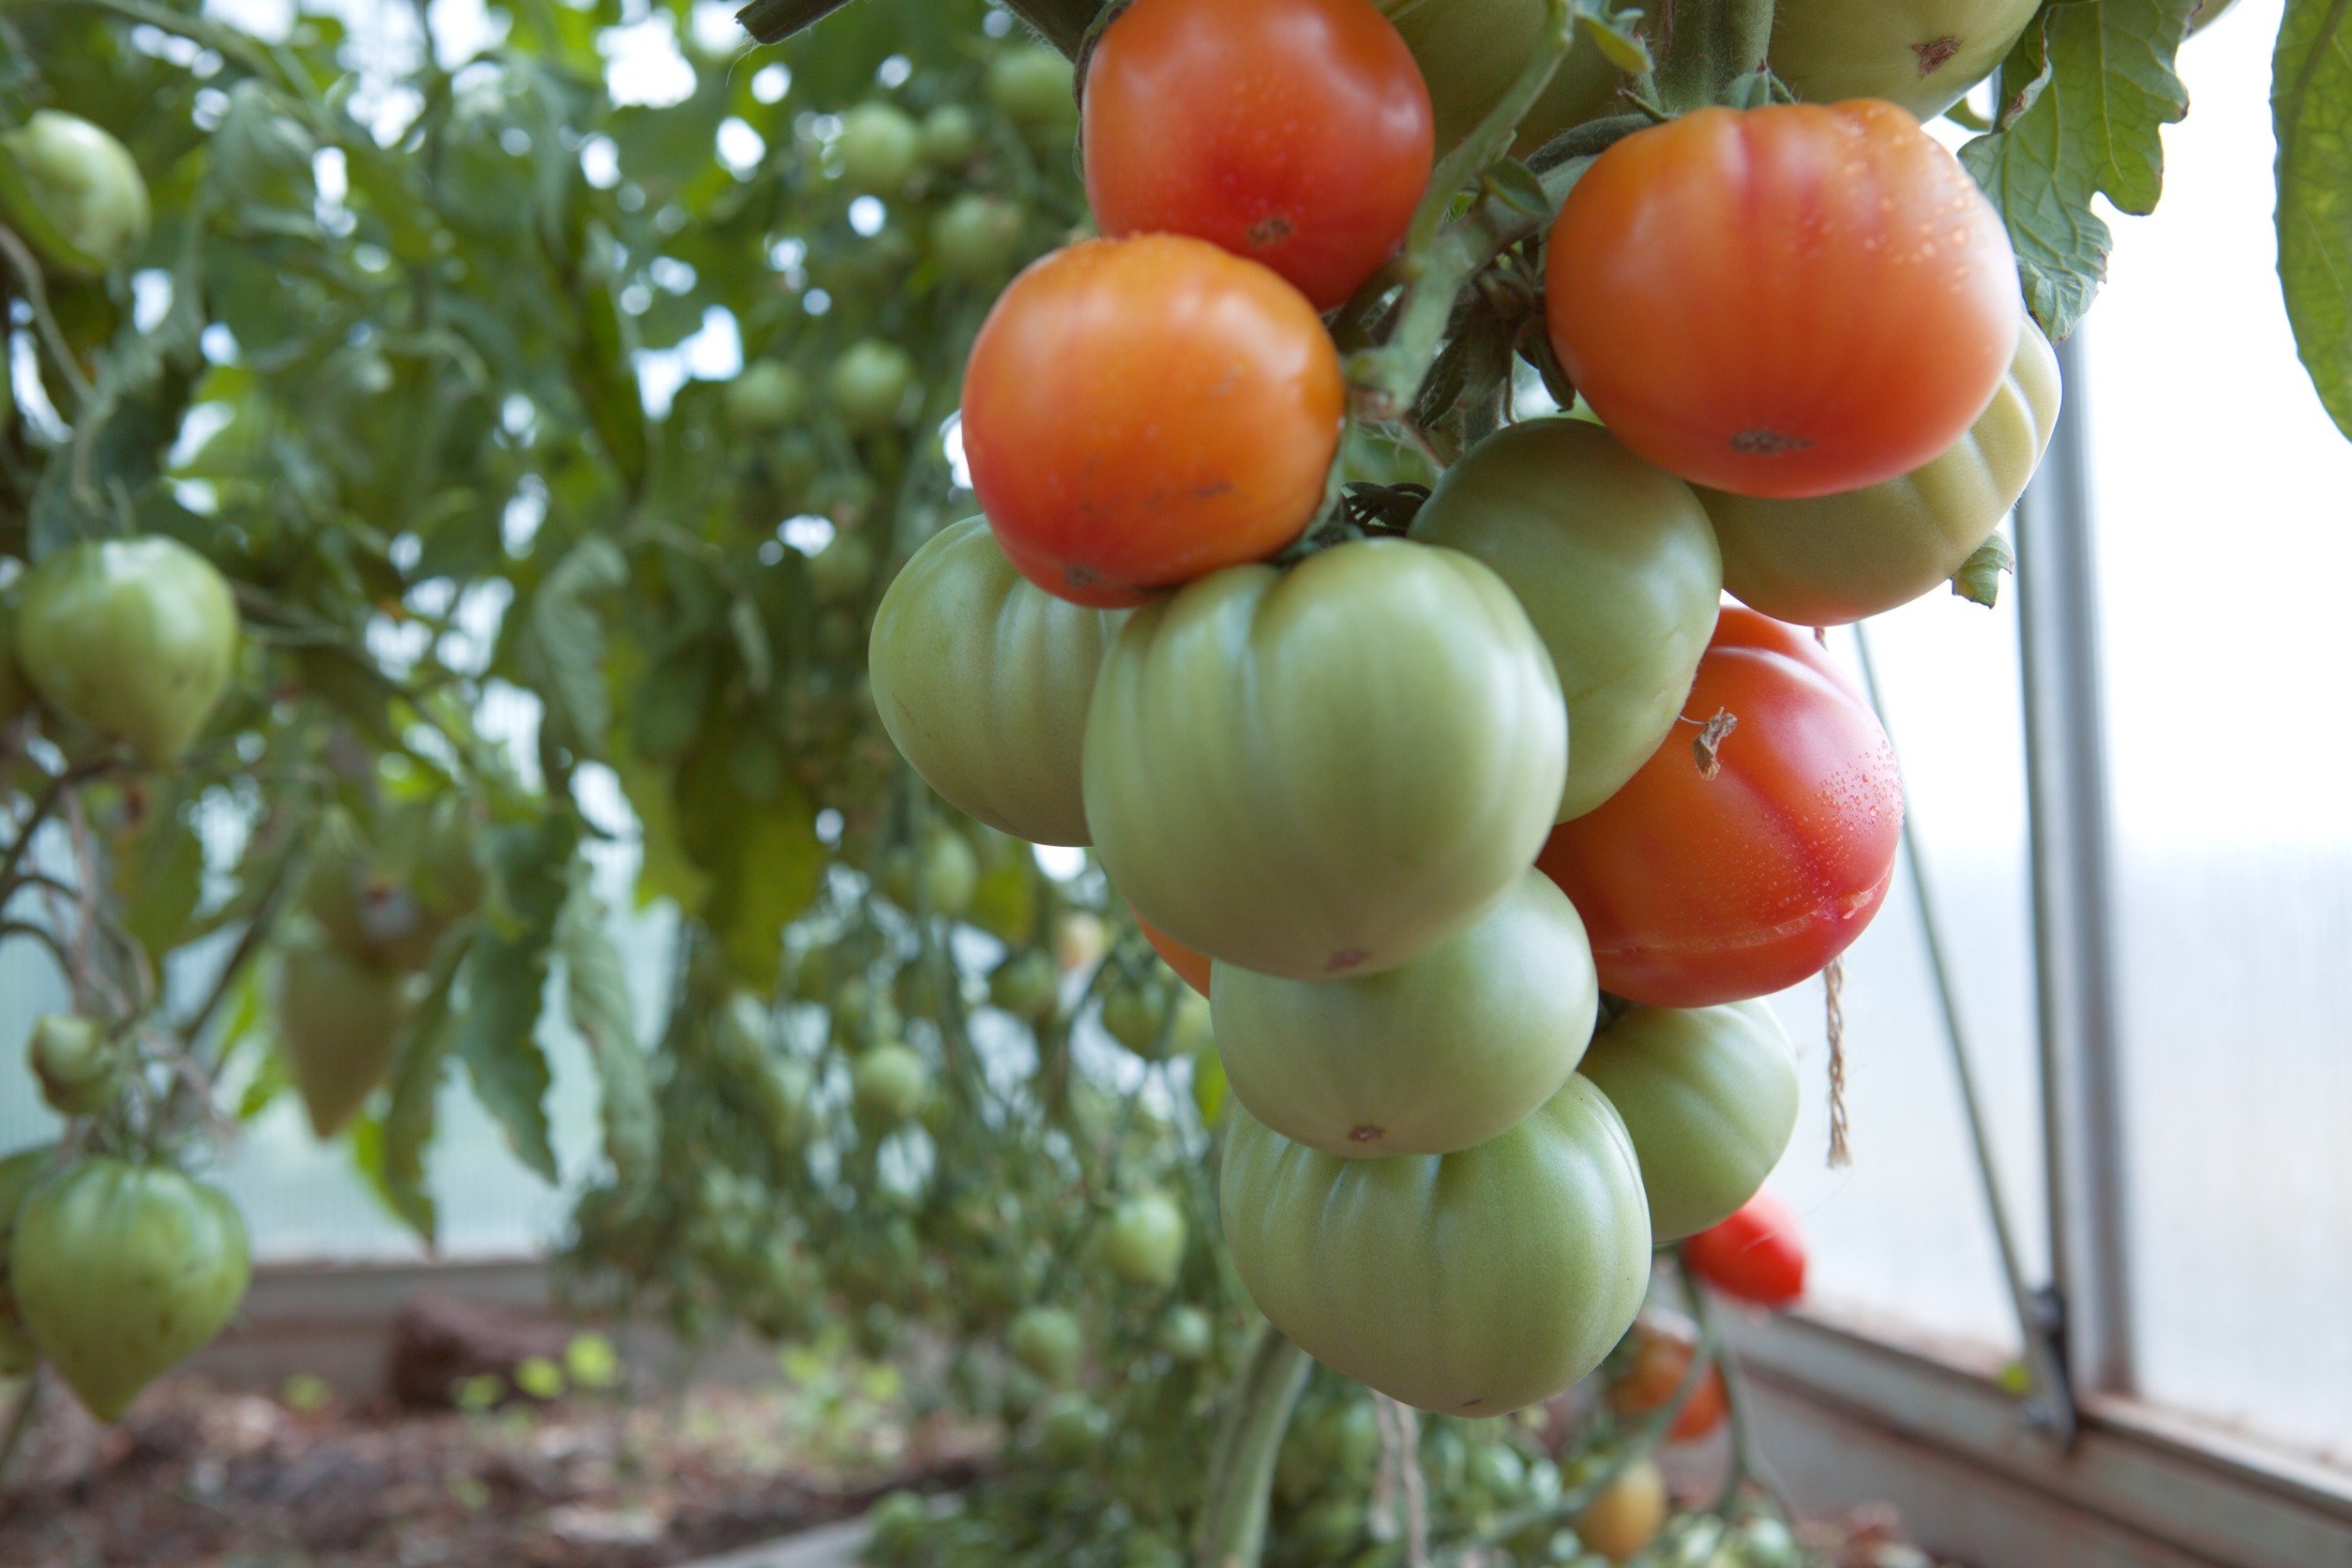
x,y
199,1478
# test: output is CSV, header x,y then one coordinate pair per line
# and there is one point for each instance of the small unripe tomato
x,y
948,871
1144,1243
768,396
74,191
1628,1515
950,136
868,386
78,1067
1132,1014
974,237
1185,1333
1025,985
842,569
1072,1427
1047,1341
880,149
1033,86
889,1086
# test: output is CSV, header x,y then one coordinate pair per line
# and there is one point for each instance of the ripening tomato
x,y
1664,1347
1700,889
1191,965
1923,54
1626,1517
1758,1255
1294,132
1138,413
1829,559
1787,301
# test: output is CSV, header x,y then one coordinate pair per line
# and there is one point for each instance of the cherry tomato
x,y
1758,1255
1790,301
1663,1350
1138,413
1698,890
1626,1517
1182,133
74,191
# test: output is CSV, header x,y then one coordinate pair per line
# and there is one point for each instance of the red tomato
x,y
1190,964
1663,1350
1295,132
1758,1255
1698,890
1790,301
1141,411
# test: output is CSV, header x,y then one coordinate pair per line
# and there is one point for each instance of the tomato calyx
x,y
1364,510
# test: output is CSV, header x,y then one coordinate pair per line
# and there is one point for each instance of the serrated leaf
x,y
596,992
1616,31
2093,128
1515,187
419,1061
560,651
763,857
2311,107
159,874
505,979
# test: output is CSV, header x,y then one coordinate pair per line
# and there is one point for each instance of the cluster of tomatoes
x,y
1485,840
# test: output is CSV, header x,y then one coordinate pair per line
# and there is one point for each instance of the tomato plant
x,y
1710,1098
1835,558
1415,1274
1233,724
1617,567
1789,301
74,191
120,1270
338,1022
1737,863
1923,54
1178,139
983,681
1758,1255
1138,413
134,638
1427,1058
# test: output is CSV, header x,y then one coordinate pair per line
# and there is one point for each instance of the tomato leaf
x,y
2087,123
560,652
597,991
2311,106
505,976
1616,31
419,1063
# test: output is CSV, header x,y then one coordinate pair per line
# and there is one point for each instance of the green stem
x,y
19,1422
1061,23
1240,1474
1748,1462
1710,45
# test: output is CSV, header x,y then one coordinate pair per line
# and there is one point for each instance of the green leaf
x,y
420,1060
2311,106
762,856
269,1081
1515,184
2092,129
505,978
596,992
158,873
560,652
1616,31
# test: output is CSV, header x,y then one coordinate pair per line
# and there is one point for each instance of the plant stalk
x,y
1241,1474
1710,44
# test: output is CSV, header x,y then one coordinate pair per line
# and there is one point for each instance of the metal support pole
x,y
2066,780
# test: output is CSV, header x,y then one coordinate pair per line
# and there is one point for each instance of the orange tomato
x,y
1138,413
1190,964
1699,890
1788,301
1663,1350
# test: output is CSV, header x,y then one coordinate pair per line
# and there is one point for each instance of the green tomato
x,y
1185,1333
1144,1241
1033,86
1427,1058
1237,727
768,396
338,1022
1923,54
1617,567
135,638
1047,1341
15,695
868,386
889,1086
1472,51
20,1173
1194,1031
974,237
1132,1014
842,569
1709,1095
1072,1427
950,136
1838,558
123,1270
982,679
948,871
1025,985
74,191
1469,1284
881,147
78,1067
